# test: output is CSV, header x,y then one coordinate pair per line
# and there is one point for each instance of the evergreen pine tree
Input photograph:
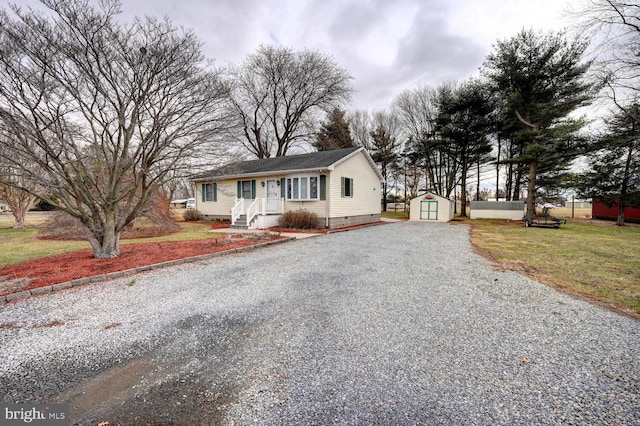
x,y
334,133
541,79
615,169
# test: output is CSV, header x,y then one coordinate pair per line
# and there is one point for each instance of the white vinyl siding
x,y
365,188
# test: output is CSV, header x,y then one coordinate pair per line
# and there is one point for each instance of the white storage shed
x,y
432,208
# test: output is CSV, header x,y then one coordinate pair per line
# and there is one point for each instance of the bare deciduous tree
x,y
19,200
279,96
614,28
104,110
360,127
417,110
386,146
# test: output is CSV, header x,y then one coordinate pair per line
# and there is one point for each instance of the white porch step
x,y
240,223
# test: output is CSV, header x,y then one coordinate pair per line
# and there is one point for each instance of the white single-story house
x,y
431,207
341,186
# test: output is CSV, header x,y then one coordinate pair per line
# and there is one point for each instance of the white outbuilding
x,y
431,207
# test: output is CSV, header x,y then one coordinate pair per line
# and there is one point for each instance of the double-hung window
x,y
247,189
209,192
346,187
303,188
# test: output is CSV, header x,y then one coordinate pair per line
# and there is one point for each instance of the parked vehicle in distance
x,y
191,203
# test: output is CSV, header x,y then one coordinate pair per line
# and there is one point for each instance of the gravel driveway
x,y
395,324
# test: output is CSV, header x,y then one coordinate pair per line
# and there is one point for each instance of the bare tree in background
x,y
16,186
19,200
385,147
417,110
279,96
360,127
614,28
104,110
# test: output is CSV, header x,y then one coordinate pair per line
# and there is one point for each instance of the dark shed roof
x,y
311,161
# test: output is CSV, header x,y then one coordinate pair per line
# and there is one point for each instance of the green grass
x,y
390,214
599,262
19,245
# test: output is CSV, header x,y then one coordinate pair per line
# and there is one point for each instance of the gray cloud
x,y
387,45
425,52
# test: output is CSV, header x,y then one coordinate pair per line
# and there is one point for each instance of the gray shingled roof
x,y
311,161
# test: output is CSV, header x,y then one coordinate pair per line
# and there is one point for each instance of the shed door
x,y
428,210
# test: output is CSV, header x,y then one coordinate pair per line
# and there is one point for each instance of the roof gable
x,y
311,161
431,195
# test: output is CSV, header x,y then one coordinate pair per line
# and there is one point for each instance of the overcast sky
x,y
386,45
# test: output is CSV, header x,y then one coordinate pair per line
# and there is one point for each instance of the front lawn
x,y
19,245
390,214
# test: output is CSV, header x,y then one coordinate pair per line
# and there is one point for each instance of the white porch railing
x,y
237,210
258,207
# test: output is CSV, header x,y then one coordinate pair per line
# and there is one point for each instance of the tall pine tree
x,y
464,121
541,78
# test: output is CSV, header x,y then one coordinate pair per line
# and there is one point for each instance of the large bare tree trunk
x,y
19,215
106,245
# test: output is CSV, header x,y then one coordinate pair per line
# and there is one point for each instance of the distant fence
x,y
397,207
513,210
578,204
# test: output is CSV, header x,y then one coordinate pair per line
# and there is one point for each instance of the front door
x,y
273,201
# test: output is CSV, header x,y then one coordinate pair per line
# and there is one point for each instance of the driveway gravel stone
x,y
393,324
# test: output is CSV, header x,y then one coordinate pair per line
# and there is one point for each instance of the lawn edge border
x,y
127,272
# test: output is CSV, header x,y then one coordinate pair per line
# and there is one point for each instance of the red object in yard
x,y
600,210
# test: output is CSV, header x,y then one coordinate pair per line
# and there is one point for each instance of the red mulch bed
x,y
325,231
81,264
